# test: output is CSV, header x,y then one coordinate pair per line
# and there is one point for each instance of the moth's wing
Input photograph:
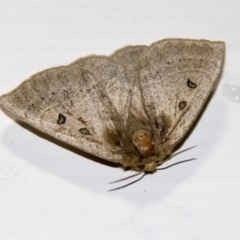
x,y
129,55
124,95
68,104
116,80
176,77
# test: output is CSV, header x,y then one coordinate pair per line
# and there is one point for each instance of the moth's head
x,y
151,154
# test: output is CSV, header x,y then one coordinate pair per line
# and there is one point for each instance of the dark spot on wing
x,y
61,119
182,105
191,84
84,131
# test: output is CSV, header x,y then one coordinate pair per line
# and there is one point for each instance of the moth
x,y
132,107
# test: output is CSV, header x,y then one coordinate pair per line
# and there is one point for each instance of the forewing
x,y
116,80
176,77
129,55
68,104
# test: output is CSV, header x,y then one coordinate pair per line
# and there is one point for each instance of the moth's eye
x,y
144,143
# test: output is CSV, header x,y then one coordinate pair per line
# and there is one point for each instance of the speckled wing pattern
x,y
74,105
129,56
176,77
164,84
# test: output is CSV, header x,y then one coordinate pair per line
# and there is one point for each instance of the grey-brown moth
x,y
132,107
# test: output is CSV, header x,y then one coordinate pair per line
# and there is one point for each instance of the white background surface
x,y
50,192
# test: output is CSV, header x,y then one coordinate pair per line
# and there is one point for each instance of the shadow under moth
x,y
132,107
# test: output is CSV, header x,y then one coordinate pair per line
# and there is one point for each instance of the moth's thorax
x,y
152,155
144,143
